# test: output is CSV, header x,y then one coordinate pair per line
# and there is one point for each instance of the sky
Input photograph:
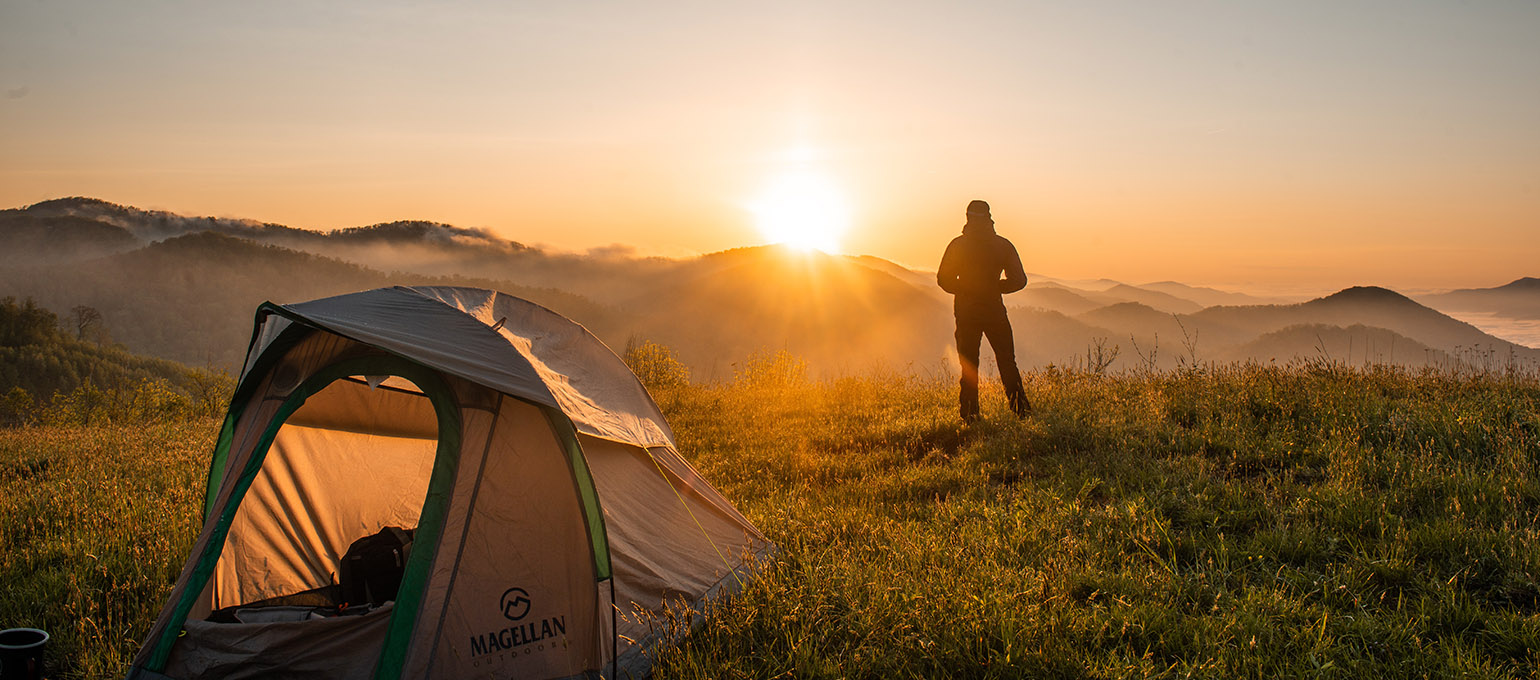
x,y
1265,146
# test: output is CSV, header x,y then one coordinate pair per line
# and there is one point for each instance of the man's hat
x,y
978,208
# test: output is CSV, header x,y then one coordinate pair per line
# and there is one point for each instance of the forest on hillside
x,y
50,375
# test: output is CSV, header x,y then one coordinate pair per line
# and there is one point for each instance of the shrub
x,y
656,365
778,370
16,408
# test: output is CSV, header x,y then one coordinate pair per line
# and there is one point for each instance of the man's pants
x,y
997,327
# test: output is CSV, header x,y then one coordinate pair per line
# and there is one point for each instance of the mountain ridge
x,y
1518,299
191,295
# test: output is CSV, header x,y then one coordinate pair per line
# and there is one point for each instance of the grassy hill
x,y
1242,522
1252,522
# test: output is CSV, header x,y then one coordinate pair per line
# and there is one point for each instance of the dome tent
x,y
549,512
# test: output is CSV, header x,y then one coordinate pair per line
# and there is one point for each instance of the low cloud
x,y
613,251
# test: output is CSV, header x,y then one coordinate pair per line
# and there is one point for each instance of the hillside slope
x,y
191,298
838,314
27,239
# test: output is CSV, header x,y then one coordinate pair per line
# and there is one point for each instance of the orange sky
x,y
1296,147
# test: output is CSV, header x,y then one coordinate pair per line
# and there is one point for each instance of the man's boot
x,y
1019,404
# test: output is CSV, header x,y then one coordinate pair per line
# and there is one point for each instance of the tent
x,y
552,522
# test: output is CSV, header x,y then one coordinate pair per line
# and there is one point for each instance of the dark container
x,y
21,653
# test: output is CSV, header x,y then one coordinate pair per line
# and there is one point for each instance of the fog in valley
x,y
184,288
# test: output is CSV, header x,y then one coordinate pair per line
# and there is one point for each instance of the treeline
x,y
48,375
191,299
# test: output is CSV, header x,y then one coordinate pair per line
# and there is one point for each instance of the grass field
x,y
1309,521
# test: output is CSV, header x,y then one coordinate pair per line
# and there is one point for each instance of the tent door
x,y
340,460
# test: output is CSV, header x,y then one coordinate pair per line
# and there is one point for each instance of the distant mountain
x,y
1046,337
150,226
1367,306
184,289
1073,284
1382,308
157,225
835,312
417,247
190,298
1054,298
1355,345
1207,297
1133,318
1376,324
1058,297
1529,285
1517,300
34,239
411,231
922,280
1154,299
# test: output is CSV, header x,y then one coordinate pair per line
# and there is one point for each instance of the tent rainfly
x,y
442,482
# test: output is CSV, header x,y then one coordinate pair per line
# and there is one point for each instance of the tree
x,y
85,318
26,324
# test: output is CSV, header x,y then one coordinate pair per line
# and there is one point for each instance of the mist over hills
x,y
1056,298
184,288
1519,299
1208,297
191,298
32,239
836,313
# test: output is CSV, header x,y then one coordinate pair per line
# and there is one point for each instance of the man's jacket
x,y
971,270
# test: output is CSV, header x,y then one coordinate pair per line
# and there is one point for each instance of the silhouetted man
x,y
970,270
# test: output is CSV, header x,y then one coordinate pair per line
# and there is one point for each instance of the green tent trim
x,y
404,616
592,513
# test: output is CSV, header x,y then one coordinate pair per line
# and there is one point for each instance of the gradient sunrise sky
x,y
1297,146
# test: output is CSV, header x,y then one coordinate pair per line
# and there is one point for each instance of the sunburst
x,y
803,209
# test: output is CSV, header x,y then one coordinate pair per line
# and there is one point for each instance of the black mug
x,y
21,653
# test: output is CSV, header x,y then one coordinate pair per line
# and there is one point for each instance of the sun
x,y
803,209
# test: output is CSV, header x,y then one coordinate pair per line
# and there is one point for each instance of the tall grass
x,y
1219,522
1238,521
95,523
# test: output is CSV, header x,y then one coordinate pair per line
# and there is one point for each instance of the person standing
x,y
971,271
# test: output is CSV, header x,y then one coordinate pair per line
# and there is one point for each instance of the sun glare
x,y
804,210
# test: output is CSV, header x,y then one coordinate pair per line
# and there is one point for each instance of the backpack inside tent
x,y
442,482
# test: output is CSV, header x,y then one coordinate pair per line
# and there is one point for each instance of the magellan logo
x,y
523,637
515,604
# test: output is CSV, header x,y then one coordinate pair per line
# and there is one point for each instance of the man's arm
x,y
946,274
1015,276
